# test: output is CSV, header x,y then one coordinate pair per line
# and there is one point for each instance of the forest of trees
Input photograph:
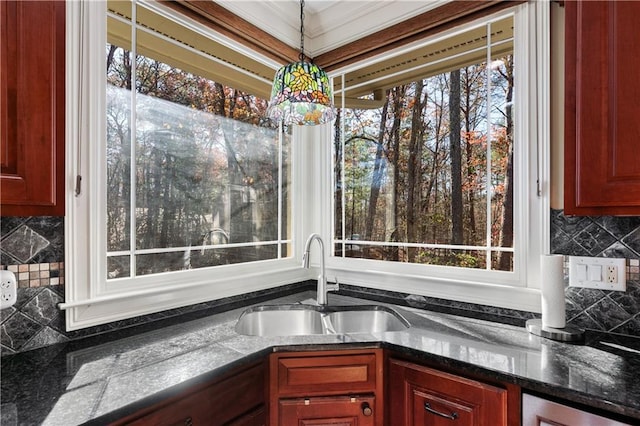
x,y
416,171
206,170
414,174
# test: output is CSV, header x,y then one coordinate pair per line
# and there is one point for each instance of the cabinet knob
x,y
188,421
366,409
452,416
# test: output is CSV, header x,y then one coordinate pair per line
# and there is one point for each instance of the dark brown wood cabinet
x,y
420,395
326,388
602,106
32,101
237,399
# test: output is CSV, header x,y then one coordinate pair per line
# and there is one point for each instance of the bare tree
x,y
456,159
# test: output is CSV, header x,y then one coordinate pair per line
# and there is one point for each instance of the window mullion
x,y
132,145
342,164
280,175
488,152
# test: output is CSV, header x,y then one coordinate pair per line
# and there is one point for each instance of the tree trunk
x,y
398,95
506,234
413,168
379,168
456,159
470,172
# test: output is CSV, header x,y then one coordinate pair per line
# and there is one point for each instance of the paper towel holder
x,y
569,333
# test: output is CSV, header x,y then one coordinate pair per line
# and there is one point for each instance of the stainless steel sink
x,y
373,319
280,320
291,320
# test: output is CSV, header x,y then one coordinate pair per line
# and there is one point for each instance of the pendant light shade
x,y
301,92
301,95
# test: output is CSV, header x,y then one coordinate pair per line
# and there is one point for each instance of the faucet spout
x,y
210,233
323,288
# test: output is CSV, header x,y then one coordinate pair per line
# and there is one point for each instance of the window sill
x,y
82,313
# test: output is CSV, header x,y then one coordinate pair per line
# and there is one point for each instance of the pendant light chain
x,y
302,55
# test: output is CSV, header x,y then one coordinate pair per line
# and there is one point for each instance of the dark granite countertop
x,y
97,381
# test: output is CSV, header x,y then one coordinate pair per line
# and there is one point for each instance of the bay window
x,y
431,181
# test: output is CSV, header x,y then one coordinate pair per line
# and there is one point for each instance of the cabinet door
x,y
602,106
327,411
32,96
423,396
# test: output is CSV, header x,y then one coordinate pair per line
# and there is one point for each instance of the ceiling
x,y
328,23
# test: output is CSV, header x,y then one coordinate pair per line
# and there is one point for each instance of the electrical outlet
x,y
603,273
8,293
612,274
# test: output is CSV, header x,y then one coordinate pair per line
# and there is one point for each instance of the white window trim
x,y
88,300
88,303
515,290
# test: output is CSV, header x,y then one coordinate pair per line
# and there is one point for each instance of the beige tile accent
x,y
37,275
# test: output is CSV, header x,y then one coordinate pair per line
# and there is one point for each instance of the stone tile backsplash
x,y
33,249
29,240
601,236
34,246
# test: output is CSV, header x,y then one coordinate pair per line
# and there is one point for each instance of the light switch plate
x,y
603,273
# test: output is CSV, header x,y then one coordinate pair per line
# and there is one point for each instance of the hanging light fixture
x,y
301,92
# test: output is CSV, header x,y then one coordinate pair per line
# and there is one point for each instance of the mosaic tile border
x,y
633,269
30,275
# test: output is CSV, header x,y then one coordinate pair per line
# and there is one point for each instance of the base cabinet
x,y
423,396
326,388
237,399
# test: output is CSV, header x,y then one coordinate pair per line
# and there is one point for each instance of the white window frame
x,y
89,302
89,299
518,289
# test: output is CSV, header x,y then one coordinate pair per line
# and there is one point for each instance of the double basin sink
x,y
298,319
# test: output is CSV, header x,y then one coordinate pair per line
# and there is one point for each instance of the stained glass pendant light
x,y
301,92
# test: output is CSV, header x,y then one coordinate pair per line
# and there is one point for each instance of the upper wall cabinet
x,y
602,108
32,97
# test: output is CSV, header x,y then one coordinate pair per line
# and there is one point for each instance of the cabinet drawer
x,y
333,410
321,374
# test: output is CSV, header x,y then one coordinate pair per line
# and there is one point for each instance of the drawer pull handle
x,y
366,409
188,422
451,416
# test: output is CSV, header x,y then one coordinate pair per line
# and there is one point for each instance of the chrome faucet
x,y
210,233
323,287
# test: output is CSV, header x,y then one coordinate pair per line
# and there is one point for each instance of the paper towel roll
x,y
552,289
